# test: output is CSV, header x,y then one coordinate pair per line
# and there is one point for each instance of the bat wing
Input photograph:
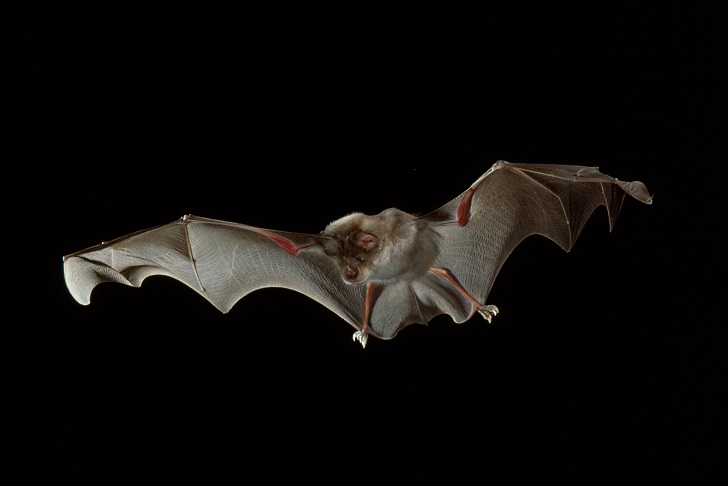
x,y
220,260
479,229
513,201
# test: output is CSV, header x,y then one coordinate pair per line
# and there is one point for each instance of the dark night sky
x,y
616,350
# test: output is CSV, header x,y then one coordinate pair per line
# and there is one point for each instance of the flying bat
x,y
380,273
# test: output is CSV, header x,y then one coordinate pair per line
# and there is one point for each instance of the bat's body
x,y
380,273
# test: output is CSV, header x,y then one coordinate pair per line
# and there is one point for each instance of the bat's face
x,y
353,255
351,248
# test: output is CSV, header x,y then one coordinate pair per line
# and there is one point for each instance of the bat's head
x,y
351,248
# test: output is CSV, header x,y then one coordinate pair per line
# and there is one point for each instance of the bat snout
x,y
351,272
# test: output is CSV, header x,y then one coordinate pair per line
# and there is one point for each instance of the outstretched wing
x,y
513,201
220,260
476,232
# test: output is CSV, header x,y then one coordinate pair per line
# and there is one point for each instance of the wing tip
x,y
83,275
637,190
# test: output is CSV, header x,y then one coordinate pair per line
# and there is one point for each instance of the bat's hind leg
x,y
487,311
362,335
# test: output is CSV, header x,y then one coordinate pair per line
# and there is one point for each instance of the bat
x,y
380,273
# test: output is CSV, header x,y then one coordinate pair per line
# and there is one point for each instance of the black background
x,y
606,360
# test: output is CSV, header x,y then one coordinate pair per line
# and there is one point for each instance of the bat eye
x,y
360,258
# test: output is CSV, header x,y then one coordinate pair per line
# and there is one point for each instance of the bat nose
x,y
351,272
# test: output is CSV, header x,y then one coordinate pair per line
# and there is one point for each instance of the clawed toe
x,y
362,337
488,312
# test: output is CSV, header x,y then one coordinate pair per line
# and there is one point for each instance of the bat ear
x,y
366,241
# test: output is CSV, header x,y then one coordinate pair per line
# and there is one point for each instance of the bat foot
x,y
362,337
488,312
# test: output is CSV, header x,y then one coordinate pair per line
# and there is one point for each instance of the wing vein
x,y
192,258
554,194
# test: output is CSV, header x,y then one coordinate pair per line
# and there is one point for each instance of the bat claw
x,y
362,337
488,312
